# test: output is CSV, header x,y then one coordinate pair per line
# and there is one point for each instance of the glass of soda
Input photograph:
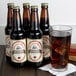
x,y
60,39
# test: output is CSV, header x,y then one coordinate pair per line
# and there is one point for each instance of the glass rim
x,y
68,26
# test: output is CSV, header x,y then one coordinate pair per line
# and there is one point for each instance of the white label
x,y
8,51
35,51
46,46
18,51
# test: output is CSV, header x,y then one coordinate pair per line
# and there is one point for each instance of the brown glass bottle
x,y
8,29
44,25
26,17
18,42
34,40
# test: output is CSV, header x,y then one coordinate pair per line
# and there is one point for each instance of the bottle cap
x,y
26,4
35,6
16,7
44,4
10,5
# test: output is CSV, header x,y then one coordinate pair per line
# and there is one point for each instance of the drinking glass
x,y
60,39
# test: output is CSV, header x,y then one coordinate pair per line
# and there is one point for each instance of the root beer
x,y
8,29
60,48
18,41
34,40
44,25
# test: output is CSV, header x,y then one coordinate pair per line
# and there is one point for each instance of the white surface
x,y
70,69
60,12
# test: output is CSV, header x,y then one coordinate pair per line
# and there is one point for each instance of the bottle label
x,y
18,51
7,40
46,46
35,51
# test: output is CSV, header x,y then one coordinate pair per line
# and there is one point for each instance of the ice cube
x,y
60,50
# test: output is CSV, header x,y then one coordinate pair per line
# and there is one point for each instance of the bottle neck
x,y
10,17
17,20
26,16
34,20
44,16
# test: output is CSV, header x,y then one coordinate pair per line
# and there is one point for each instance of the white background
x,y
61,12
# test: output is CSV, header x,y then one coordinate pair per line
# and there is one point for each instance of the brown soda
x,y
44,26
34,41
18,40
8,29
60,48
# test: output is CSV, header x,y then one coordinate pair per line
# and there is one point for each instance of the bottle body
x,y
44,25
34,40
8,29
26,20
18,40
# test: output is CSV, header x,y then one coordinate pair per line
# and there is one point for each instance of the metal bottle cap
x,y
44,4
10,5
16,7
35,6
26,4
